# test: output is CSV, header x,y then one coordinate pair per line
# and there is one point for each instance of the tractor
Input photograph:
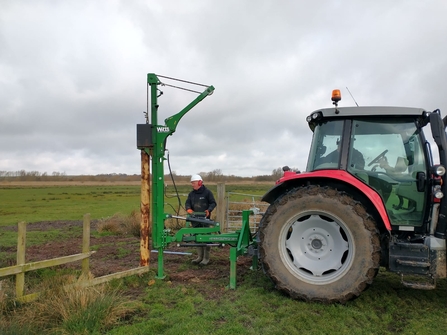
x,y
371,197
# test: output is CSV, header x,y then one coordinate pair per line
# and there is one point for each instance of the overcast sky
x,y
73,77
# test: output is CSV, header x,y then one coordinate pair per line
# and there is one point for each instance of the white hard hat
x,y
195,177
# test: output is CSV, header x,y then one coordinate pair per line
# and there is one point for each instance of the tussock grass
x,y
7,302
120,224
66,307
7,259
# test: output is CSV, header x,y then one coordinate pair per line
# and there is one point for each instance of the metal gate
x,y
234,208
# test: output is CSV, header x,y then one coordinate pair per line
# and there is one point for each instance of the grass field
x,y
202,307
65,203
48,203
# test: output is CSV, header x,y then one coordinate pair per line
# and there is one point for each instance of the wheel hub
x,y
316,246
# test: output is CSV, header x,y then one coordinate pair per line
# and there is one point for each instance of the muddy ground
x,y
118,253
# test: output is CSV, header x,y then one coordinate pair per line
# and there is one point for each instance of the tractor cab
x,y
385,148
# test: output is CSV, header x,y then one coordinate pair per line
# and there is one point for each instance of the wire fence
x,y
230,206
234,208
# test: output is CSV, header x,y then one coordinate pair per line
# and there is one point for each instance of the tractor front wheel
x,y
319,244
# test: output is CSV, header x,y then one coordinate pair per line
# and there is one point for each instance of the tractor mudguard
x,y
292,180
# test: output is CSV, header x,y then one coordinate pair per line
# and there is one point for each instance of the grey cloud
x,y
73,77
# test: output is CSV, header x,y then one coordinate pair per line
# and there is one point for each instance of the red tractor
x,y
371,196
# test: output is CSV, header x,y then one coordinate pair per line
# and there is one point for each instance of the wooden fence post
x,y
86,245
144,207
221,205
21,245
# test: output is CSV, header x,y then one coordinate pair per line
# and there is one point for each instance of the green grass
x,y
37,204
72,202
65,203
207,307
255,307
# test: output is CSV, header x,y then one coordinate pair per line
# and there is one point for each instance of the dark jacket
x,y
357,159
200,200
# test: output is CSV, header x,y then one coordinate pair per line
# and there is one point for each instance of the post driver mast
x,y
151,138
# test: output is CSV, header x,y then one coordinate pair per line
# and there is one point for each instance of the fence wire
x,y
234,210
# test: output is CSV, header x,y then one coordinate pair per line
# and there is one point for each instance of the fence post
x,y
221,204
145,229
86,244
21,244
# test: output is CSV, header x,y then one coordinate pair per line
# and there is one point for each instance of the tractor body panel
x,y
342,179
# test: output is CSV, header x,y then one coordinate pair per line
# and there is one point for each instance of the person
x,y
200,199
357,160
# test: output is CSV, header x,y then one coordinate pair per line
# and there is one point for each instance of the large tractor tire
x,y
319,244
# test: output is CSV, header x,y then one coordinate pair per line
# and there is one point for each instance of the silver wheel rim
x,y
317,248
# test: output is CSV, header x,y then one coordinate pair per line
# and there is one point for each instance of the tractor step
x,y
419,285
413,263
409,258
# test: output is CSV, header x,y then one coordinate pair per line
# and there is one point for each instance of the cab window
x,y
393,155
324,153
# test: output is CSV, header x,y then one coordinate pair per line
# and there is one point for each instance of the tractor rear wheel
x,y
319,244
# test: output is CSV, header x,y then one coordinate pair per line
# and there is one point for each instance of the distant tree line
x,y
276,174
214,176
31,175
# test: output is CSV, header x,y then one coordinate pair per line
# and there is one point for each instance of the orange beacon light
x,y
336,95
